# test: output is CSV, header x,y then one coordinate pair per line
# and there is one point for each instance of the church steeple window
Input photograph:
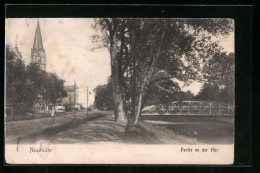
x,y
38,59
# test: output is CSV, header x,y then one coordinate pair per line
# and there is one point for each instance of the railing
x,y
190,108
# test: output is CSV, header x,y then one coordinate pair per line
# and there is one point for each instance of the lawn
x,y
204,129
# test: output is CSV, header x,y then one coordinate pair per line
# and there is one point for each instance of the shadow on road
x,y
103,129
49,132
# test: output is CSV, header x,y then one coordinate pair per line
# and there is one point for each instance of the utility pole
x,y
74,100
87,102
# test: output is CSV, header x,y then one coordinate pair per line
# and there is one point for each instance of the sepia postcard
x,y
119,91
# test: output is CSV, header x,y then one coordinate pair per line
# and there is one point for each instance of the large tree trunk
x,y
140,100
138,112
133,90
143,89
146,82
117,94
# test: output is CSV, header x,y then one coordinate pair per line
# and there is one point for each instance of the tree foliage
x,y
220,69
219,76
16,87
209,93
104,96
28,85
140,48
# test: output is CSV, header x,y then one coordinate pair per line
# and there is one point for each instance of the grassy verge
x,y
165,136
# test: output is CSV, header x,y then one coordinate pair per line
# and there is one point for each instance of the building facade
x,y
72,95
71,100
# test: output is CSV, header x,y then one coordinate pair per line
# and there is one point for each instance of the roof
x,y
37,44
69,88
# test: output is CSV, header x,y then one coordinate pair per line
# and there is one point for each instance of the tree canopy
x,y
28,85
140,48
104,96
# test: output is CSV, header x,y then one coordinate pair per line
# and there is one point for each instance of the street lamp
x,y
87,102
74,100
74,107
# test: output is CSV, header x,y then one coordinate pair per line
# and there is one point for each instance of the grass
x,y
101,127
193,129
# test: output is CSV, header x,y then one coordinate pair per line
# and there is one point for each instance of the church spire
x,y
37,52
37,45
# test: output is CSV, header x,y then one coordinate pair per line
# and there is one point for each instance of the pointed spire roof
x,y
37,45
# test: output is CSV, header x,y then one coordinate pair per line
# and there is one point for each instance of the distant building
x,y
69,100
37,52
72,97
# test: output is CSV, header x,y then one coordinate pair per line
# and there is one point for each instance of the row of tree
x,y
104,96
29,86
147,51
165,92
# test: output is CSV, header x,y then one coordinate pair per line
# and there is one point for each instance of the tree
x,y
54,89
161,92
219,71
28,85
36,79
143,47
209,93
111,27
104,96
17,89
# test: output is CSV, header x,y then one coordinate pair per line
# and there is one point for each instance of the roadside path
x,y
43,126
103,129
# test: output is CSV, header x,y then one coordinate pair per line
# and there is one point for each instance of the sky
x,y
68,43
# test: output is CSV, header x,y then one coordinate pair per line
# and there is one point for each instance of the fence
x,y
190,108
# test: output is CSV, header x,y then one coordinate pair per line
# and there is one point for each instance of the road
x,y
100,126
45,126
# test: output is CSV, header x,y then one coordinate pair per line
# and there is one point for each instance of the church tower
x,y
38,53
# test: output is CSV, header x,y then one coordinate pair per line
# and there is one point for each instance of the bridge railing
x,y
190,108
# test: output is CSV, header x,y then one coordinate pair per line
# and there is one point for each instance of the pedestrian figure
x,y
53,114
